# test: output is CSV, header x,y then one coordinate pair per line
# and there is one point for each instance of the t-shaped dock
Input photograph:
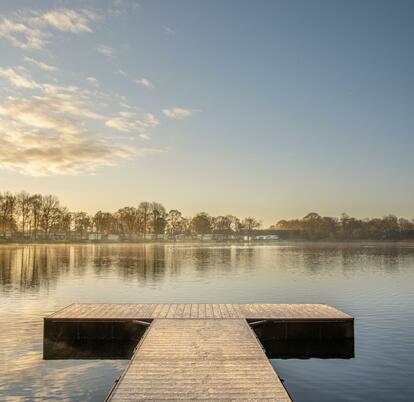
x,y
194,351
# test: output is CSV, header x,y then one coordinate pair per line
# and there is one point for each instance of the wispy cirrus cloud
x,y
18,77
67,20
178,113
40,64
93,81
123,122
130,121
144,82
33,29
107,51
168,30
48,131
67,99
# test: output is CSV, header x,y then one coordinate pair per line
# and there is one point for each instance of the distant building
x,y
266,237
113,237
6,235
57,236
95,236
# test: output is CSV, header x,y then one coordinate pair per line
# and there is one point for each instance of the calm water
x,y
374,283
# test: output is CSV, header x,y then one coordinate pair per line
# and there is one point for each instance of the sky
x,y
258,108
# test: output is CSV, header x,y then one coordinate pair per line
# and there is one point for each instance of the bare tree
x,y
128,220
201,223
23,208
144,212
7,212
49,213
249,224
35,214
157,212
82,223
174,222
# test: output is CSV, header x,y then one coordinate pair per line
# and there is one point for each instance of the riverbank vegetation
x,y
36,217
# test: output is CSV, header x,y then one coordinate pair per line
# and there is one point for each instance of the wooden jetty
x,y
196,351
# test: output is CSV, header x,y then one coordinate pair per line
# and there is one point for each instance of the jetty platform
x,y
195,351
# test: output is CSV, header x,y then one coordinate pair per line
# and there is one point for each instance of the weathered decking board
x,y
275,312
193,359
196,351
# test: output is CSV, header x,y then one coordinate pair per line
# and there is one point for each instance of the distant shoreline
x,y
204,242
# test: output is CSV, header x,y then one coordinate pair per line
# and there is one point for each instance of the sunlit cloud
x,y
40,138
130,121
69,20
106,50
33,30
140,81
145,136
122,122
19,77
148,120
177,113
52,126
40,64
144,82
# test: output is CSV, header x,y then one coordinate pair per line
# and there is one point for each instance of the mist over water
x,y
371,281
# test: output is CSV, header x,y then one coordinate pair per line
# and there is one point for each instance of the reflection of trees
x,y
140,261
383,257
33,266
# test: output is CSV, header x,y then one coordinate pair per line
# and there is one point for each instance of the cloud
x,y
21,34
177,113
145,136
37,138
39,64
144,82
131,121
141,81
106,50
168,31
148,120
18,77
93,81
32,30
121,122
69,20
72,103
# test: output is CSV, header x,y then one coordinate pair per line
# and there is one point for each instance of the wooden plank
x,y
187,311
172,311
281,312
209,311
195,359
180,311
194,310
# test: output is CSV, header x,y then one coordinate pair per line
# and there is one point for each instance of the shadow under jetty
x,y
210,342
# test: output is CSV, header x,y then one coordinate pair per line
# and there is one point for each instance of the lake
x,y
374,282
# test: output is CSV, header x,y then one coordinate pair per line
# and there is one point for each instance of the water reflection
x,y
372,282
32,267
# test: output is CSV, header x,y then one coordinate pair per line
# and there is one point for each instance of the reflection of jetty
x,y
197,351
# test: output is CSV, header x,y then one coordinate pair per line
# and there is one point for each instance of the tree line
x,y
41,217
316,227
35,217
